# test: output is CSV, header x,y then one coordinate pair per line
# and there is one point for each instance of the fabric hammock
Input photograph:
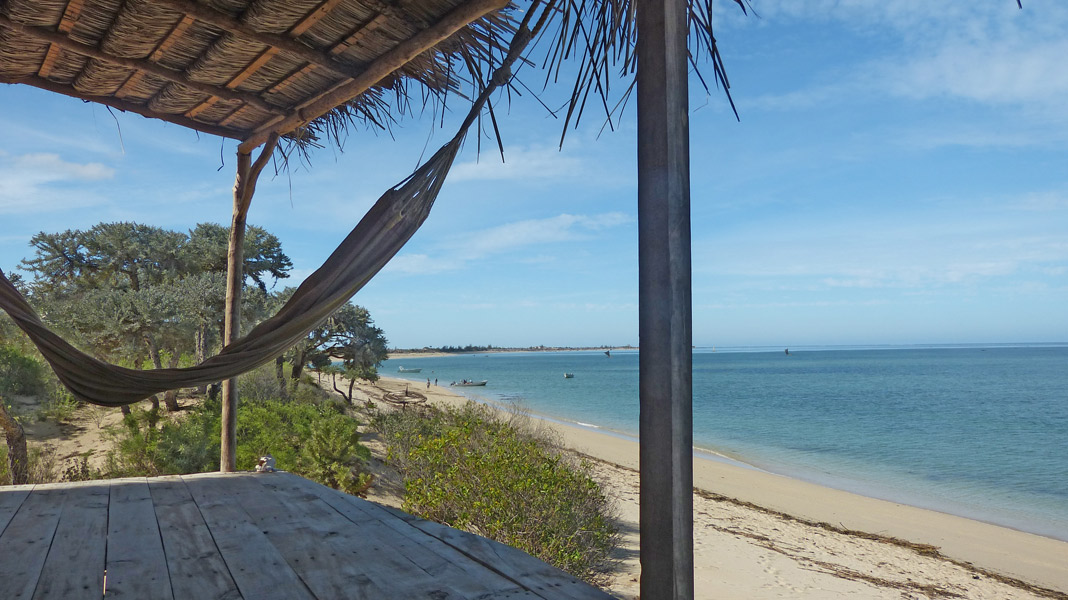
x,y
382,232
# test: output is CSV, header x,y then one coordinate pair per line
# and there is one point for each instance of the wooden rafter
x,y
171,38
49,60
378,69
396,11
202,12
66,24
313,17
125,105
70,16
290,79
359,33
230,118
66,43
203,106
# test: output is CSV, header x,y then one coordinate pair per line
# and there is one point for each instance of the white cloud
x,y
456,252
529,163
34,182
984,54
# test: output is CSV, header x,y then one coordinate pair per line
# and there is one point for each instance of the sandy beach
x,y
756,535
760,535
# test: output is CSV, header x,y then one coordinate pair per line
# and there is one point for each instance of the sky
x,y
898,175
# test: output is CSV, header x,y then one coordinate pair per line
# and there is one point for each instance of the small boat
x,y
466,383
403,370
569,375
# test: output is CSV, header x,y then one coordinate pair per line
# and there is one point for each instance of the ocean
x,y
975,431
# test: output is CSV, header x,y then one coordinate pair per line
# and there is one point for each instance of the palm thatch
x,y
311,69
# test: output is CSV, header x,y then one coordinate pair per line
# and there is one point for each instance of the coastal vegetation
x,y
146,297
473,469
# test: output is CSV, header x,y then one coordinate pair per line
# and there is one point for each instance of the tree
x,y
128,291
348,335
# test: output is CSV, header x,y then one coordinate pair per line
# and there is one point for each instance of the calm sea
x,y
976,431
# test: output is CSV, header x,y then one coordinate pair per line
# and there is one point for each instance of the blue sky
x,y
899,175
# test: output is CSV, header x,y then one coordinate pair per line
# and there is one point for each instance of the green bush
x,y
470,469
20,373
312,439
59,404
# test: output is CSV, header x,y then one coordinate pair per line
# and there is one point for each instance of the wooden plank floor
x,y
248,535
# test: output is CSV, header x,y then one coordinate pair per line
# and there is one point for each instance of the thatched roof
x,y
242,69
308,69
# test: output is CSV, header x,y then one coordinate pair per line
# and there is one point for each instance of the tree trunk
x,y
157,363
201,350
298,365
244,188
352,382
334,377
170,397
17,457
279,373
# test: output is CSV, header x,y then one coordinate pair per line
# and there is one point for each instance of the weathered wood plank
x,y
522,570
433,556
28,536
196,567
367,553
11,498
136,563
256,566
312,545
74,567
543,579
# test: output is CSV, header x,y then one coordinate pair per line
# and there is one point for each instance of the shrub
x,y
59,405
311,439
469,468
20,373
43,466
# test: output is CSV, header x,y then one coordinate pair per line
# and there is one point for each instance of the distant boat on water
x,y
569,375
466,383
403,370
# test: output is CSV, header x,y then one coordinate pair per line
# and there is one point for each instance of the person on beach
x,y
428,383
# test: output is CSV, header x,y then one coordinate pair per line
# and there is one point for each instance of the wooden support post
x,y
244,188
664,303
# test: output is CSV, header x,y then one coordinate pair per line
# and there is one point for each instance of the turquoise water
x,y
980,432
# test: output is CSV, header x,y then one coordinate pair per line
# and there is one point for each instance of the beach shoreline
x,y
991,549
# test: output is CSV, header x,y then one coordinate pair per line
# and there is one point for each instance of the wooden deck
x,y
247,535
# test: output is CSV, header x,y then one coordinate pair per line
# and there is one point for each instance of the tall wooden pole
x,y
664,303
244,188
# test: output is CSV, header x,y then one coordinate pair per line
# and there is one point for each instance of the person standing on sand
x,y
435,381
428,383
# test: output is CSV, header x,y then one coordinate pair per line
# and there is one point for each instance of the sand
x,y
759,535
756,535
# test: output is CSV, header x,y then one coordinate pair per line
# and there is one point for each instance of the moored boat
x,y
466,383
569,375
403,370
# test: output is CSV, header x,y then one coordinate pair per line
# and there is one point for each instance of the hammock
x,y
382,232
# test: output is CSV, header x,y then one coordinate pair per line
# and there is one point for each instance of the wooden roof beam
x,y
58,39
313,17
125,105
66,24
377,70
284,43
